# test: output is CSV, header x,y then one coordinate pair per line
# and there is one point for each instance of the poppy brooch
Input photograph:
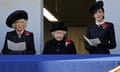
x,y
26,33
104,25
68,41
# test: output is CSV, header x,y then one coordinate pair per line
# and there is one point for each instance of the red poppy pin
x,y
104,25
68,41
26,33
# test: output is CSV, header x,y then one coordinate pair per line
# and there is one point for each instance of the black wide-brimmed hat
x,y
96,6
58,26
18,14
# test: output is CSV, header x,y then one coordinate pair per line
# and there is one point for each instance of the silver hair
x,y
65,33
25,21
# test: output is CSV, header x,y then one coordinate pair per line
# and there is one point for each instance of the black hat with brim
x,y
18,14
58,26
96,6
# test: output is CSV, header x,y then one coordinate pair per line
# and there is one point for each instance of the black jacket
x,y
106,35
59,47
26,37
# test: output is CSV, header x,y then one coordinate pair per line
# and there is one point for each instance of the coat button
x,y
58,43
58,50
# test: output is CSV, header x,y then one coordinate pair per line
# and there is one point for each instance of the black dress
x,y
26,37
106,35
59,47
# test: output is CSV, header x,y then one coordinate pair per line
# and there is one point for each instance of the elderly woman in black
x,y
18,41
100,30
60,44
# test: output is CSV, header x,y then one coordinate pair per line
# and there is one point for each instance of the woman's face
x,y
59,35
99,15
20,24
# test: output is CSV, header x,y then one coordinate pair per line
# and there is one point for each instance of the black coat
x,y
106,35
59,47
28,39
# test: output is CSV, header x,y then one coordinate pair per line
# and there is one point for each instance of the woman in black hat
x,y
18,41
100,30
60,44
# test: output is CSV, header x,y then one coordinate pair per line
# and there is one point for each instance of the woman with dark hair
x,y
18,41
103,31
60,44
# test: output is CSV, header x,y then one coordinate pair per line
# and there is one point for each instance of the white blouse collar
x,y
99,23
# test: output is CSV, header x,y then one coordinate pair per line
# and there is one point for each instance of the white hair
x,y
53,33
25,24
